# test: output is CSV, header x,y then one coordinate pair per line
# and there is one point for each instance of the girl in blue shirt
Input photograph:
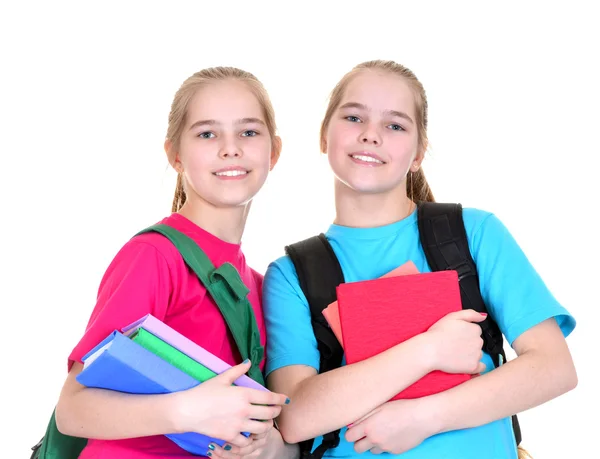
x,y
375,136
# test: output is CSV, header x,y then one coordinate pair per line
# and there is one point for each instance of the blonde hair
x,y
523,454
417,187
181,101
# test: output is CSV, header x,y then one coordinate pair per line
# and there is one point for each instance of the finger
x,y
229,376
376,450
259,397
239,441
468,315
363,445
267,413
235,451
256,427
366,416
480,368
219,452
355,433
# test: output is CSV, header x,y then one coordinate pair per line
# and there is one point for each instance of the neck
x,y
363,210
226,223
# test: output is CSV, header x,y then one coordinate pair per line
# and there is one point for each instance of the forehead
x,y
380,91
224,101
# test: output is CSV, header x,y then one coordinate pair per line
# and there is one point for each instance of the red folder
x,y
375,315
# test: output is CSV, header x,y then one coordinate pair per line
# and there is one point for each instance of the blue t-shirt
x,y
514,293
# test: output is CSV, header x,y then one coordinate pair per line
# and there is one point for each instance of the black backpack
x,y
444,241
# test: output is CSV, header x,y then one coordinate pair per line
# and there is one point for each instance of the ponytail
x,y
179,198
417,188
523,453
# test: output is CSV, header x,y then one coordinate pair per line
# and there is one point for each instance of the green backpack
x,y
229,293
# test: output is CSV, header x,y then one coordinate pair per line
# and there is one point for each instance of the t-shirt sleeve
x,y
290,336
136,283
515,294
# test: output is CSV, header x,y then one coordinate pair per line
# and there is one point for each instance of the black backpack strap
x,y
319,273
445,244
444,241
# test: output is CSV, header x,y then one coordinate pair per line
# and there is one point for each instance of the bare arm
x,y
215,408
542,371
109,415
326,402
320,402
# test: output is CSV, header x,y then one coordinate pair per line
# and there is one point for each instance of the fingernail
x,y
483,314
211,446
287,401
209,454
227,447
246,361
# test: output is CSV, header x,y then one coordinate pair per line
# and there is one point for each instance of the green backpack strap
x,y
55,445
228,291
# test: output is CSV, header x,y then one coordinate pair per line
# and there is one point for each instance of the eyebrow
x,y
385,112
214,122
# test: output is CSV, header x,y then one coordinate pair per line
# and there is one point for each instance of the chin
x,y
228,204
232,201
367,187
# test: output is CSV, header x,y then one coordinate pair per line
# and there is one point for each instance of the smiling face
x,y
372,138
225,150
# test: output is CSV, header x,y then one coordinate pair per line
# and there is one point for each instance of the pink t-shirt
x,y
149,276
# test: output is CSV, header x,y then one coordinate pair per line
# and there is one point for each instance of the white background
x,y
85,93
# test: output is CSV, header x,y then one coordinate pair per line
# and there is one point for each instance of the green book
x,y
174,356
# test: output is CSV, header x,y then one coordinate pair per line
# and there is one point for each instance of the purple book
x,y
188,347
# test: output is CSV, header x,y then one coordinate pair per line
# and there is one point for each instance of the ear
x,y
420,156
275,152
324,145
173,157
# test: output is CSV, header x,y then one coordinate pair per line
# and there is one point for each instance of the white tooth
x,y
231,173
367,159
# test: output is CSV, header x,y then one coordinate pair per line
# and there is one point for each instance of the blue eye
x,y
396,127
206,135
249,133
353,119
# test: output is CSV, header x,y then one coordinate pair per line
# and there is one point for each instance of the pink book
x,y
188,347
332,314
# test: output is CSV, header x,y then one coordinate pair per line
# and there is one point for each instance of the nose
x,y
370,136
230,149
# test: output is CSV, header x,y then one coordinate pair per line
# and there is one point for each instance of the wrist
x,y
428,351
431,413
175,412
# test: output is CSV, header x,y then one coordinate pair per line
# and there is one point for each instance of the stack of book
x,y
149,357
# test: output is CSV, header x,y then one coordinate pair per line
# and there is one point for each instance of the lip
x,y
370,155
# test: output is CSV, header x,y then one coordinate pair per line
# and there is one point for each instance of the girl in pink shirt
x,y
221,140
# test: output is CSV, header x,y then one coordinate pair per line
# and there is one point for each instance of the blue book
x,y
120,364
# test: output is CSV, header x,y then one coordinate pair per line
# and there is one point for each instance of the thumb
x,y
232,374
470,315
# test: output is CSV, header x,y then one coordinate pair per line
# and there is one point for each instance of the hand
x,y
220,410
263,446
395,427
458,343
